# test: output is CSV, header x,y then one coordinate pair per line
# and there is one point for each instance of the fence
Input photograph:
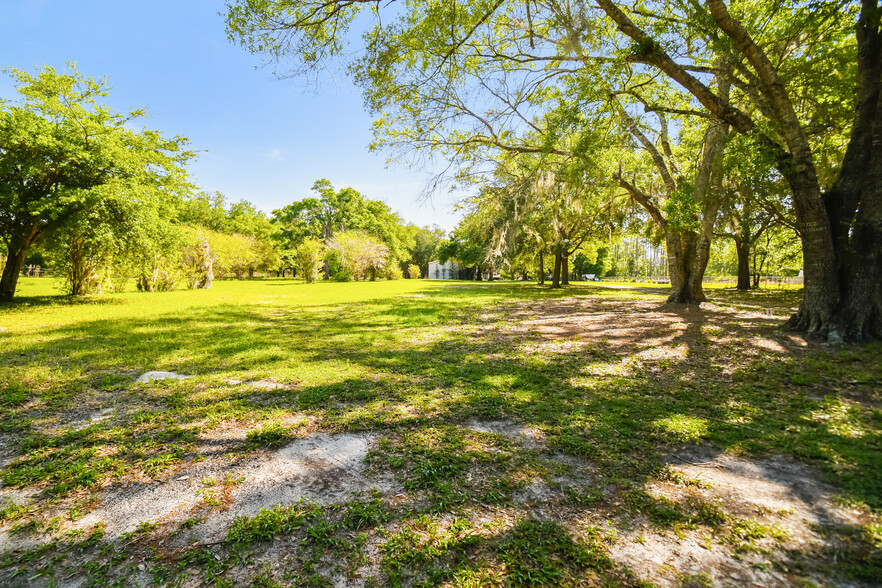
x,y
764,280
29,271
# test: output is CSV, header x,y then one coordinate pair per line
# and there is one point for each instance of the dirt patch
x,y
322,467
776,492
150,376
648,329
525,435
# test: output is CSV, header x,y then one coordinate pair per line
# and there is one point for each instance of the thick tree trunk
x,y
682,268
565,270
11,271
555,277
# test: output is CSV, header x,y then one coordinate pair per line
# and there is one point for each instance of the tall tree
x,y
459,77
337,211
58,146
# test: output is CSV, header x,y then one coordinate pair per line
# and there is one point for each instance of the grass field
x,y
422,433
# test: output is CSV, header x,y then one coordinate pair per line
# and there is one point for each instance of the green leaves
x,y
63,154
681,211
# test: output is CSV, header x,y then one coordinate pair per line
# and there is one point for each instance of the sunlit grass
x,y
418,362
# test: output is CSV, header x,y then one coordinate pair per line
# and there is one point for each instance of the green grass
x,y
417,361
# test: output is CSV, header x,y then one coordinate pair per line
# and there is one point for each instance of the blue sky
x,y
260,139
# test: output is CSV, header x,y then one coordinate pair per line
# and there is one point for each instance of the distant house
x,y
443,271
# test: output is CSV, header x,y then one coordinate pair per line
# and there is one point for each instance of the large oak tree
x,y
459,76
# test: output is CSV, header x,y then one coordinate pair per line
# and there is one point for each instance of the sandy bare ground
x,y
331,469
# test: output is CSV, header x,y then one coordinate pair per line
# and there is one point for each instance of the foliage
x,y
425,247
197,259
64,153
360,255
211,211
342,211
308,258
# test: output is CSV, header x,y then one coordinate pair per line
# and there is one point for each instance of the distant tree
x,y
599,267
360,255
308,259
58,143
85,245
205,209
425,247
340,211
197,259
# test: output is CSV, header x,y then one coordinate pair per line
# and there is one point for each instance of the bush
x,y
197,260
360,255
308,259
413,271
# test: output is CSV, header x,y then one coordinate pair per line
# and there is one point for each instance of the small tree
x,y
413,271
82,261
360,255
308,258
197,260
82,249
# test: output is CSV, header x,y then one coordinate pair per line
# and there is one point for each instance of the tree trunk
x,y
565,269
11,271
742,249
541,267
682,258
555,277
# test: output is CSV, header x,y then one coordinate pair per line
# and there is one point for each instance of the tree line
x,y
107,206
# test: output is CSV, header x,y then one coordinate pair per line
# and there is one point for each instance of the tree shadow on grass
x,y
598,382
27,302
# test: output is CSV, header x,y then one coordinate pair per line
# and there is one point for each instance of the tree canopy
x,y
64,153
471,81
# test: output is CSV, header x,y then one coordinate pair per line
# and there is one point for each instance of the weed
x,y
269,435
743,534
270,522
542,553
10,511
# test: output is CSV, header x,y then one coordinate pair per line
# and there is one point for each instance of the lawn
x,y
422,433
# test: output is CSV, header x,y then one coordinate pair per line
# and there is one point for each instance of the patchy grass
x,y
523,434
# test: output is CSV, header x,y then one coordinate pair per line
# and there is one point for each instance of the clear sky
x,y
260,138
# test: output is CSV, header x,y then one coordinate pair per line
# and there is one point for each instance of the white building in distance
x,y
443,271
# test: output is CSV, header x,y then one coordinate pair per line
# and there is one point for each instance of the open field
x,y
415,433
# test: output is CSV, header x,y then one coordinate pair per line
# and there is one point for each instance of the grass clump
x,y
543,553
269,435
436,461
271,522
428,551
